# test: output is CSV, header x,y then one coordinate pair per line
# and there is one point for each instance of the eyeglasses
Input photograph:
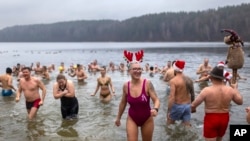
x,y
137,69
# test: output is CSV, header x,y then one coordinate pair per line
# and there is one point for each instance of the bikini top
x,y
104,84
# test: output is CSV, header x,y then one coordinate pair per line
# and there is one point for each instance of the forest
x,y
198,26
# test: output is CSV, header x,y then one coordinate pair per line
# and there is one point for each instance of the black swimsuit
x,y
69,105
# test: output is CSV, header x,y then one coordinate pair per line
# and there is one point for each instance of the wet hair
x,y
104,67
151,68
60,76
173,63
26,68
8,70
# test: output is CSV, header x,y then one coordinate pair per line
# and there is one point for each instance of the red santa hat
x,y
221,64
227,75
179,65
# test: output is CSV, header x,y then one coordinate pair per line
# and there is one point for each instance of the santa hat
x,y
221,64
227,75
179,65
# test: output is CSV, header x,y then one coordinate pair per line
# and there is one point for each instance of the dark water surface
x,y
96,120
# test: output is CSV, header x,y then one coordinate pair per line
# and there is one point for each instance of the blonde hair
x,y
131,63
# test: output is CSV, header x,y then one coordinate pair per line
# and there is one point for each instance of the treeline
x,y
181,26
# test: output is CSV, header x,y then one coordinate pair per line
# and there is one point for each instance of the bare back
x,y
6,80
178,86
218,97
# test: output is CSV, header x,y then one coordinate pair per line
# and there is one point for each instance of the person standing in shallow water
x,y
6,83
30,87
180,97
217,98
104,83
203,71
138,92
64,90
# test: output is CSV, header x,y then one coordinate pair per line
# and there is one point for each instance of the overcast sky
x,y
22,12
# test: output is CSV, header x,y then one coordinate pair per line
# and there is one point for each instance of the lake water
x,y
96,121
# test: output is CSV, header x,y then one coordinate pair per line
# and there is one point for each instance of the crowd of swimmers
x,y
137,92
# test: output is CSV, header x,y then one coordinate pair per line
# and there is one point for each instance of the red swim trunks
x,y
35,104
215,124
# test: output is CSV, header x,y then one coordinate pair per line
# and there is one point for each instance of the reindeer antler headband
x,y
234,37
128,56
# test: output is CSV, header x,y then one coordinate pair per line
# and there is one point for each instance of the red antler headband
x,y
128,56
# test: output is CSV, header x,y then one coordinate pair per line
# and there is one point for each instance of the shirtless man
x,y
217,99
203,71
95,67
79,73
169,74
38,69
165,68
6,83
30,87
181,95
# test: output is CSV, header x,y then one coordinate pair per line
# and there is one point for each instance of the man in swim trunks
x,y
6,83
105,83
138,92
217,98
30,87
181,94
64,90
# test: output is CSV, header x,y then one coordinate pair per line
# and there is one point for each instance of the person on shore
x,y
6,83
138,92
104,83
64,90
180,97
79,73
203,71
217,99
30,87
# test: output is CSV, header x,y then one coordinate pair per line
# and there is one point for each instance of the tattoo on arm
x,y
151,86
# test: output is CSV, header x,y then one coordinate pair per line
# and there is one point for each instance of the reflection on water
x,y
96,120
67,129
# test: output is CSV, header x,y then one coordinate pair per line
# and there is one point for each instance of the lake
x,y
96,120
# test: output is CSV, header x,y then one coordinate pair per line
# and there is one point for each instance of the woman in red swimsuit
x,y
138,92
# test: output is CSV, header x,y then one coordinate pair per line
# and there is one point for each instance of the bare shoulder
x,y
206,90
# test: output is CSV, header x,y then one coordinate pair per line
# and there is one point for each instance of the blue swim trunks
x,y
7,92
180,112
